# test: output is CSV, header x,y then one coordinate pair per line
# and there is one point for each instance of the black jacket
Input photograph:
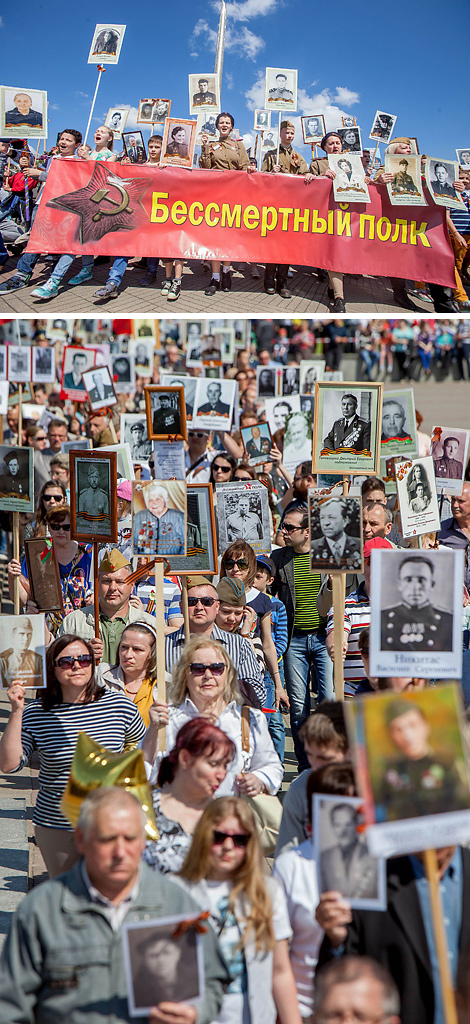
x,y
283,585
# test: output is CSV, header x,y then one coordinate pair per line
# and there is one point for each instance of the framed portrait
x,y
243,514
449,450
213,368
279,409
162,963
19,364
166,412
179,139
99,387
399,431
193,332
134,433
143,327
351,139
417,496
313,128
214,404
124,463
382,126
268,382
335,531
93,496
142,349
159,517
23,649
290,380
134,147
16,479
180,380
161,110
204,92
281,89
123,372
23,112
307,404
27,396
311,370
3,362
411,768
43,365
257,442
43,575
349,183
106,44
269,140
346,432
201,554
116,120
206,125
262,120
145,112
169,460
342,859
405,188
82,444
75,361
224,340
440,176
463,157
297,439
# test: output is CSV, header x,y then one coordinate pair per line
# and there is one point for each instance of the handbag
x,y
93,766
267,809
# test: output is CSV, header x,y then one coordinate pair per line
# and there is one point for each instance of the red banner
x,y
115,210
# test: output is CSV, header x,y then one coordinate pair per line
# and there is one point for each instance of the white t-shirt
x,y
295,869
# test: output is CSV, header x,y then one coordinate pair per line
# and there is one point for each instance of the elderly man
x,y
455,532
393,419
350,432
288,162
101,390
356,988
101,434
158,530
335,546
214,407
63,958
376,520
204,604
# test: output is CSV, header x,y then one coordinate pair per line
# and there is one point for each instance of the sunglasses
x,y
206,602
53,497
197,433
59,526
198,669
68,661
221,469
289,528
238,839
230,563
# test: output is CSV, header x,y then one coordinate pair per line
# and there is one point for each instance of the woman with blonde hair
x,y
223,872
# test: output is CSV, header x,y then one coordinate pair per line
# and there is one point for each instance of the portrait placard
x,y
82,444
204,92
382,126
201,555
142,349
43,365
179,139
405,188
349,183
4,389
159,517
19,364
311,370
145,112
257,442
224,339
124,463
268,381
134,433
43,575
93,496
23,112
313,128
281,89
346,433
335,532
16,479
162,963
193,332
206,125
269,140
411,768
340,854
213,368
144,327
161,110
116,120
399,431
351,139
348,121
449,450
123,372
106,44
75,361
290,380
417,496
3,362
243,514
278,410
168,460
463,156
214,404
181,380
23,649
262,120
166,412
297,439
99,387
134,147
416,602
440,176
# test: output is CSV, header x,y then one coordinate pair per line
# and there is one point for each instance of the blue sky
x,y
351,57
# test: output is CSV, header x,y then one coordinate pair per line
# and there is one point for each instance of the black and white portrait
x,y
16,479
134,432
346,421
342,859
313,128
262,120
106,44
335,533
175,380
22,650
144,328
311,370
100,388
347,428
142,350
440,177
206,126
93,489
75,362
123,372
161,110
266,377
179,139
43,368
19,364
398,431
297,440
165,412
134,147
204,92
257,442
417,496
278,410
213,404
281,89
351,139
405,188
145,112
201,553
382,126
349,184
463,157
290,380
116,119
449,448
269,139
162,964
194,332
243,514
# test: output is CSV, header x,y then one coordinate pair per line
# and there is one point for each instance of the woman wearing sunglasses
x,y
222,469
50,495
223,872
205,683
72,702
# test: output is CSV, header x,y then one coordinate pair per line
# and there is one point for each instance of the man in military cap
x,y
448,466
14,482
280,90
415,624
243,523
166,420
140,448
158,530
204,97
402,182
288,162
93,505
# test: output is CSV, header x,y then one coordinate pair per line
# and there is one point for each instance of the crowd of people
x,y
254,645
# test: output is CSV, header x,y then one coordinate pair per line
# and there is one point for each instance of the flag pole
x,y
100,70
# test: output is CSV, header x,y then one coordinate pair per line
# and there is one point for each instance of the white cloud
x,y
194,54
54,106
202,28
228,80
242,39
345,96
251,9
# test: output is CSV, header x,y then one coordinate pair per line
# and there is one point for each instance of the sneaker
x,y
47,291
108,291
338,305
166,285
213,287
85,274
148,279
174,292
14,284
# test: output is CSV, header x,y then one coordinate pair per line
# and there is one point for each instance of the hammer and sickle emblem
x,y
103,193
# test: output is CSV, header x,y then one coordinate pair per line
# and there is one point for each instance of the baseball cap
x,y
267,563
375,542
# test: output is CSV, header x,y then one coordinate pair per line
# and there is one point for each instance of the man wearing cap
x,y
115,609
448,466
415,624
320,168
289,162
166,419
140,448
14,482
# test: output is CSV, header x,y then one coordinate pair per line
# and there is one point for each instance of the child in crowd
x,y
15,185
264,577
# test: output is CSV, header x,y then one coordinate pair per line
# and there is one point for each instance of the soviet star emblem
x,y
107,203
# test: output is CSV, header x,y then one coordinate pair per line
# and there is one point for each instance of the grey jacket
x,y
62,962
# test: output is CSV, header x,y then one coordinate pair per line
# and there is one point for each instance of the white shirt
x,y
296,870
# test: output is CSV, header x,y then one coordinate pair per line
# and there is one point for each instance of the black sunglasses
x,y
290,528
68,661
238,839
198,669
53,497
197,433
223,469
206,602
230,563
59,526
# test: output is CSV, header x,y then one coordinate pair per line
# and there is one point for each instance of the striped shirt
x,y
356,618
307,584
113,721
239,651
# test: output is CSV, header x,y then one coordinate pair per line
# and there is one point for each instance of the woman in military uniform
x,y
224,155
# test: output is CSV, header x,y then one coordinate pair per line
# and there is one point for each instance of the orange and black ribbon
x,y
192,922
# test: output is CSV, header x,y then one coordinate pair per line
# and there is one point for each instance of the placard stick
x,y
96,599
375,153
160,628
100,71
184,605
448,996
37,153
20,414
16,555
278,137
338,634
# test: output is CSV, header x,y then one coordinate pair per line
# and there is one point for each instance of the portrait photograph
x,y
269,140
463,157
23,649
16,479
351,138
162,964
335,530
166,412
145,112
307,404
213,368
348,121
262,120
19,364
224,340
82,444
405,188
43,575
267,379
449,450
43,365
180,380
194,329
297,439
311,370
290,380
257,442
382,126
124,463
3,362
417,496
399,431
213,404
349,183
123,372
313,128
116,120
179,139
106,44
279,409
134,433
134,147
340,854
206,125
204,92
75,361
159,517
413,774
440,176
142,348
93,497
144,327
281,89
346,434
161,110
99,387
416,601
23,112
169,460
243,514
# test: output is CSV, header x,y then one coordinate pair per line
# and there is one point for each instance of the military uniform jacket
x,y
201,99
430,785
318,167
224,155
290,161
354,434
166,421
450,469
350,558
425,629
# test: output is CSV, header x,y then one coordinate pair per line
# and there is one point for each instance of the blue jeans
x,y
152,264
118,270
28,260
369,359
306,650
3,251
64,262
275,720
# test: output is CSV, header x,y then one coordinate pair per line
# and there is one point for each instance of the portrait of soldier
x,y
348,867
382,126
158,529
142,360
244,523
350,432
441,184
393,421
101,390
204,97
73,379
290,380
314,127
449,466
335,548
214,405
146,111
262,118
23,113
93,503
43,360
141,447
267,382
402,182
464,158
178,145
280,91
166,417
18,661
14,480
416,624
